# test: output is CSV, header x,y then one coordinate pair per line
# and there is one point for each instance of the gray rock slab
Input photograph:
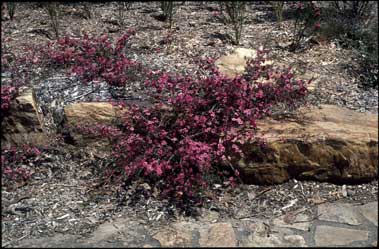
x,y
179,234
275,240
58,241
339,212
218,235
300,222
370,212
337,236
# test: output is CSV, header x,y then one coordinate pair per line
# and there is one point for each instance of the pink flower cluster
x,y
92,58
8,93
12,160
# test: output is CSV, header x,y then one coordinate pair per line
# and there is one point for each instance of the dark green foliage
x,y
53,11
168,11
354,25
11,9
235,16
278,7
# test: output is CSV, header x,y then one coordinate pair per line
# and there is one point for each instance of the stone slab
x,y
300,222
337,236
339,212
370,212
218,235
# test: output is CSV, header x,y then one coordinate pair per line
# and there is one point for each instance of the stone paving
x,y
335,224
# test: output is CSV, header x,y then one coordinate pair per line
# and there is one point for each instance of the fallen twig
x,y
261,193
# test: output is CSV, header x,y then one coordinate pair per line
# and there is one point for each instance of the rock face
x,y
341,212
234,64
178,235
336,236
93,112
23,124
89,113
218,235
370,212
329,144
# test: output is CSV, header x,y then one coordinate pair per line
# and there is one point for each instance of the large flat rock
x,y
339,212
370,212
90,112
329,144
234,64
337,236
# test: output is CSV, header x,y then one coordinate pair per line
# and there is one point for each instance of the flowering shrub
x,y
12,161
23,66
94,58
307,16
18,71
197,122
8,93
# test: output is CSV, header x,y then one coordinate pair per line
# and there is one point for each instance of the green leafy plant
x,y
278,7
235,16
11,9
354,25
53,11
87,10
306,23
122,7
168,11
367,54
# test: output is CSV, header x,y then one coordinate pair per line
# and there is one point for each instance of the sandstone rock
x,y
218,235
338,212
23,124
245,53
337,236
231,65
91,112
328,144
235,63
